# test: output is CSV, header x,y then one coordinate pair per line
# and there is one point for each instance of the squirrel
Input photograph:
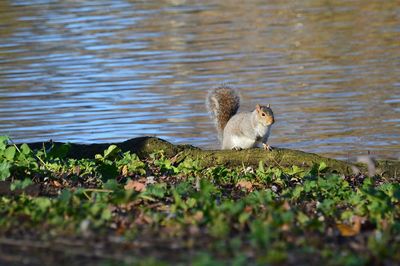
x,y
239,130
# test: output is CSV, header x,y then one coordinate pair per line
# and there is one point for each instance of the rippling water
x,y
100,71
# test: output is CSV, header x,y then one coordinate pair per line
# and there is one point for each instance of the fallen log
x,y
144,146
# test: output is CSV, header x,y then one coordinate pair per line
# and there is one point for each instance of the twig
x,y
98,190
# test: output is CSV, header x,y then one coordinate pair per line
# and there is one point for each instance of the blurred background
x,y
105,71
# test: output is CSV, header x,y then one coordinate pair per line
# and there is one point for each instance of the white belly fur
x,y
243,142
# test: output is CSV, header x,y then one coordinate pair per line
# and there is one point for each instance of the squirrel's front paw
x,y
267,147
236,148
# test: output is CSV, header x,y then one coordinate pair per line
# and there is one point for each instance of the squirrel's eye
x,y
263,114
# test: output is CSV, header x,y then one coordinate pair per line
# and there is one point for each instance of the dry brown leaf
x,y
248,209
124,170
77,170
286,206
56,184
121,228
245,184
285,227
350,229
143,219
384,223
194,230
198,216
135,185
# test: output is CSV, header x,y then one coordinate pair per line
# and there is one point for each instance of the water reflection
x,y
91,71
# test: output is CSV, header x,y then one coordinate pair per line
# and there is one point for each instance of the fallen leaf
x,y
124,170
285,227
77,170
150,180
56,183
143,219
350,229
194,230
286,206
245,184
384,223
248,209
135,185
198,216
121,229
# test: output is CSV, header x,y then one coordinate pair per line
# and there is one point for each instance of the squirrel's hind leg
x,y
267,147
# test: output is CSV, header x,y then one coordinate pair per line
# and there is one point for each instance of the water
x,y
105,71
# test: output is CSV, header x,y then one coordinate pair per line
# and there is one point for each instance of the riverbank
x,y
106,205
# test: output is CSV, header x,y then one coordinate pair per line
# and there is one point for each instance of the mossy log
x,y
144,146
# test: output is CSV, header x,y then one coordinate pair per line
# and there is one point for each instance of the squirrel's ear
x,y
258,107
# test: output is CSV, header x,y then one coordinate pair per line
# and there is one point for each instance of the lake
x,y
105,71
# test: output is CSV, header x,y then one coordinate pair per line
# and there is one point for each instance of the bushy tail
x,y
223,103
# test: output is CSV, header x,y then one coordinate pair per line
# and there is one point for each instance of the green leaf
x,y
20,184
108,171
261,168
111,152
219,226
132,163
243,217
65,196
309,185
112,184
10,153
277,172
42,203
25,149
302,218
183,188
25,157
106,214
3,142
260,233
96,208
322,166
297,192
4,170
191,202
156,190
59,151
99,157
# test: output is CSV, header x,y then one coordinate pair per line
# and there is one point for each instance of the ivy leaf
x,y
65,196
42,203
3,142
4,170
111,152
111,184
10,153
25,149
322,167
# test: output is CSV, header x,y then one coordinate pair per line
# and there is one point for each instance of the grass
x,y
117,209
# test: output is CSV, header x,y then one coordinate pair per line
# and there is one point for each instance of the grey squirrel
x,y
238,130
